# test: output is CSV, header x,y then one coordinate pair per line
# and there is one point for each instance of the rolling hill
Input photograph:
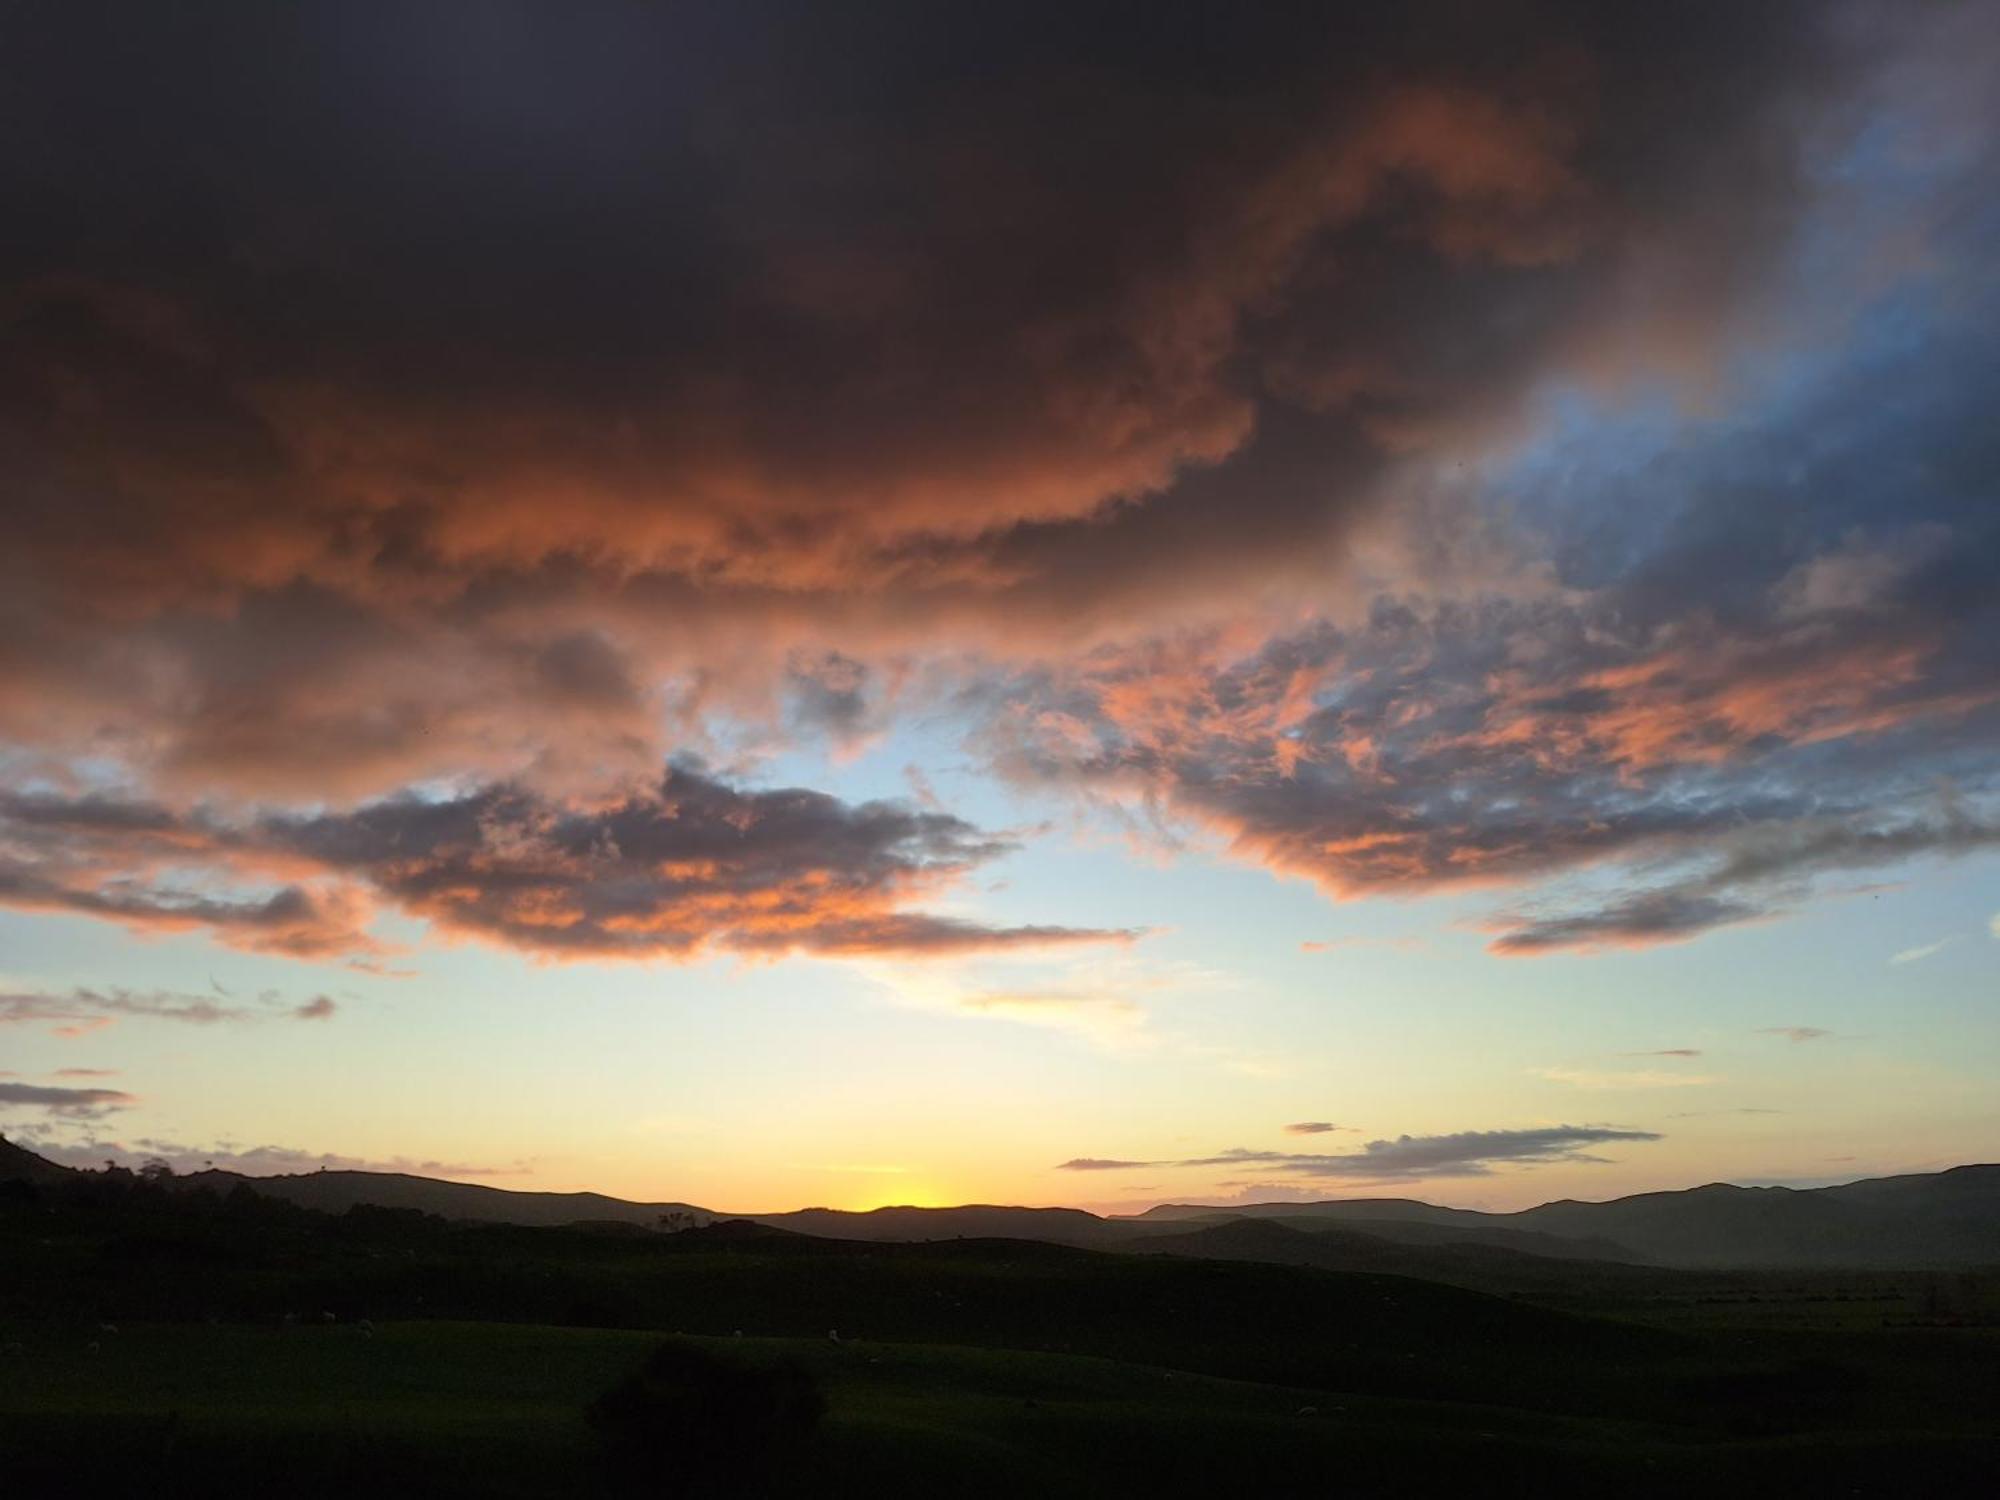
x,y
1927,1220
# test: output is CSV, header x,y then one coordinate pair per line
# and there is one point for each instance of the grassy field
x,y
472,1408
465,1361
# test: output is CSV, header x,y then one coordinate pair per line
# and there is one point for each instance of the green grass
x,y
966,1368
497,1409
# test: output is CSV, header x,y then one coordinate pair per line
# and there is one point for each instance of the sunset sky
x,y
780,604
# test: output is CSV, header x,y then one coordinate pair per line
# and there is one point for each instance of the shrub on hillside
x,y
697,1422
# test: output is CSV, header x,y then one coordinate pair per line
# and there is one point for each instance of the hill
x,y
1931,1219
336,1192
1934,1220
1055,1226
18,1164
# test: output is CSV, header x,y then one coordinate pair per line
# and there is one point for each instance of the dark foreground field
x,y
260,1348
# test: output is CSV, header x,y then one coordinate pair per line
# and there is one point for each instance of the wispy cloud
x,y
1405,944
1797,1033
1627,1078
1912,955
1703,1114
80,1010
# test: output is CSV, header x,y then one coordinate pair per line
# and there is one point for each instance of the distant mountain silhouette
x,y
1948,1218
1931,1218
336,1192
1056,1226
1386,1210
1425,1233
1934,1219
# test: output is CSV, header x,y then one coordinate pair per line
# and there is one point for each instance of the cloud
x,y
1469,1153
1635,921
254,1161
1084,1012
1913,955
86,1072
1331,945
685,865
1668,1052
319,1008
1797,1033
1626,710
679,382
1101,1164
84,1009
1283,475
1701,1114
1312,1127
86,1104
1106,997
103,1007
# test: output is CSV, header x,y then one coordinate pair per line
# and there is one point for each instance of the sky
x,y
767,604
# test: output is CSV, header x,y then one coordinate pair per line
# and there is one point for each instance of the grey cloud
x,y
68,1102
254,1161
1101,1164
686,864
88,1006
798,341
1469,1153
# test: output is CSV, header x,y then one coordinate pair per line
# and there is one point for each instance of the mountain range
x,y
1934,1219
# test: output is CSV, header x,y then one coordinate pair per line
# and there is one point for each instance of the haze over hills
x,y
1936,1219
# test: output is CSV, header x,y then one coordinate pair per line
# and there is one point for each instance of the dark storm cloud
x,y
1467,1153
511,396
688,864
379,381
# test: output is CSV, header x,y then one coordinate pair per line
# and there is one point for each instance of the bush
x,y
691,1421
